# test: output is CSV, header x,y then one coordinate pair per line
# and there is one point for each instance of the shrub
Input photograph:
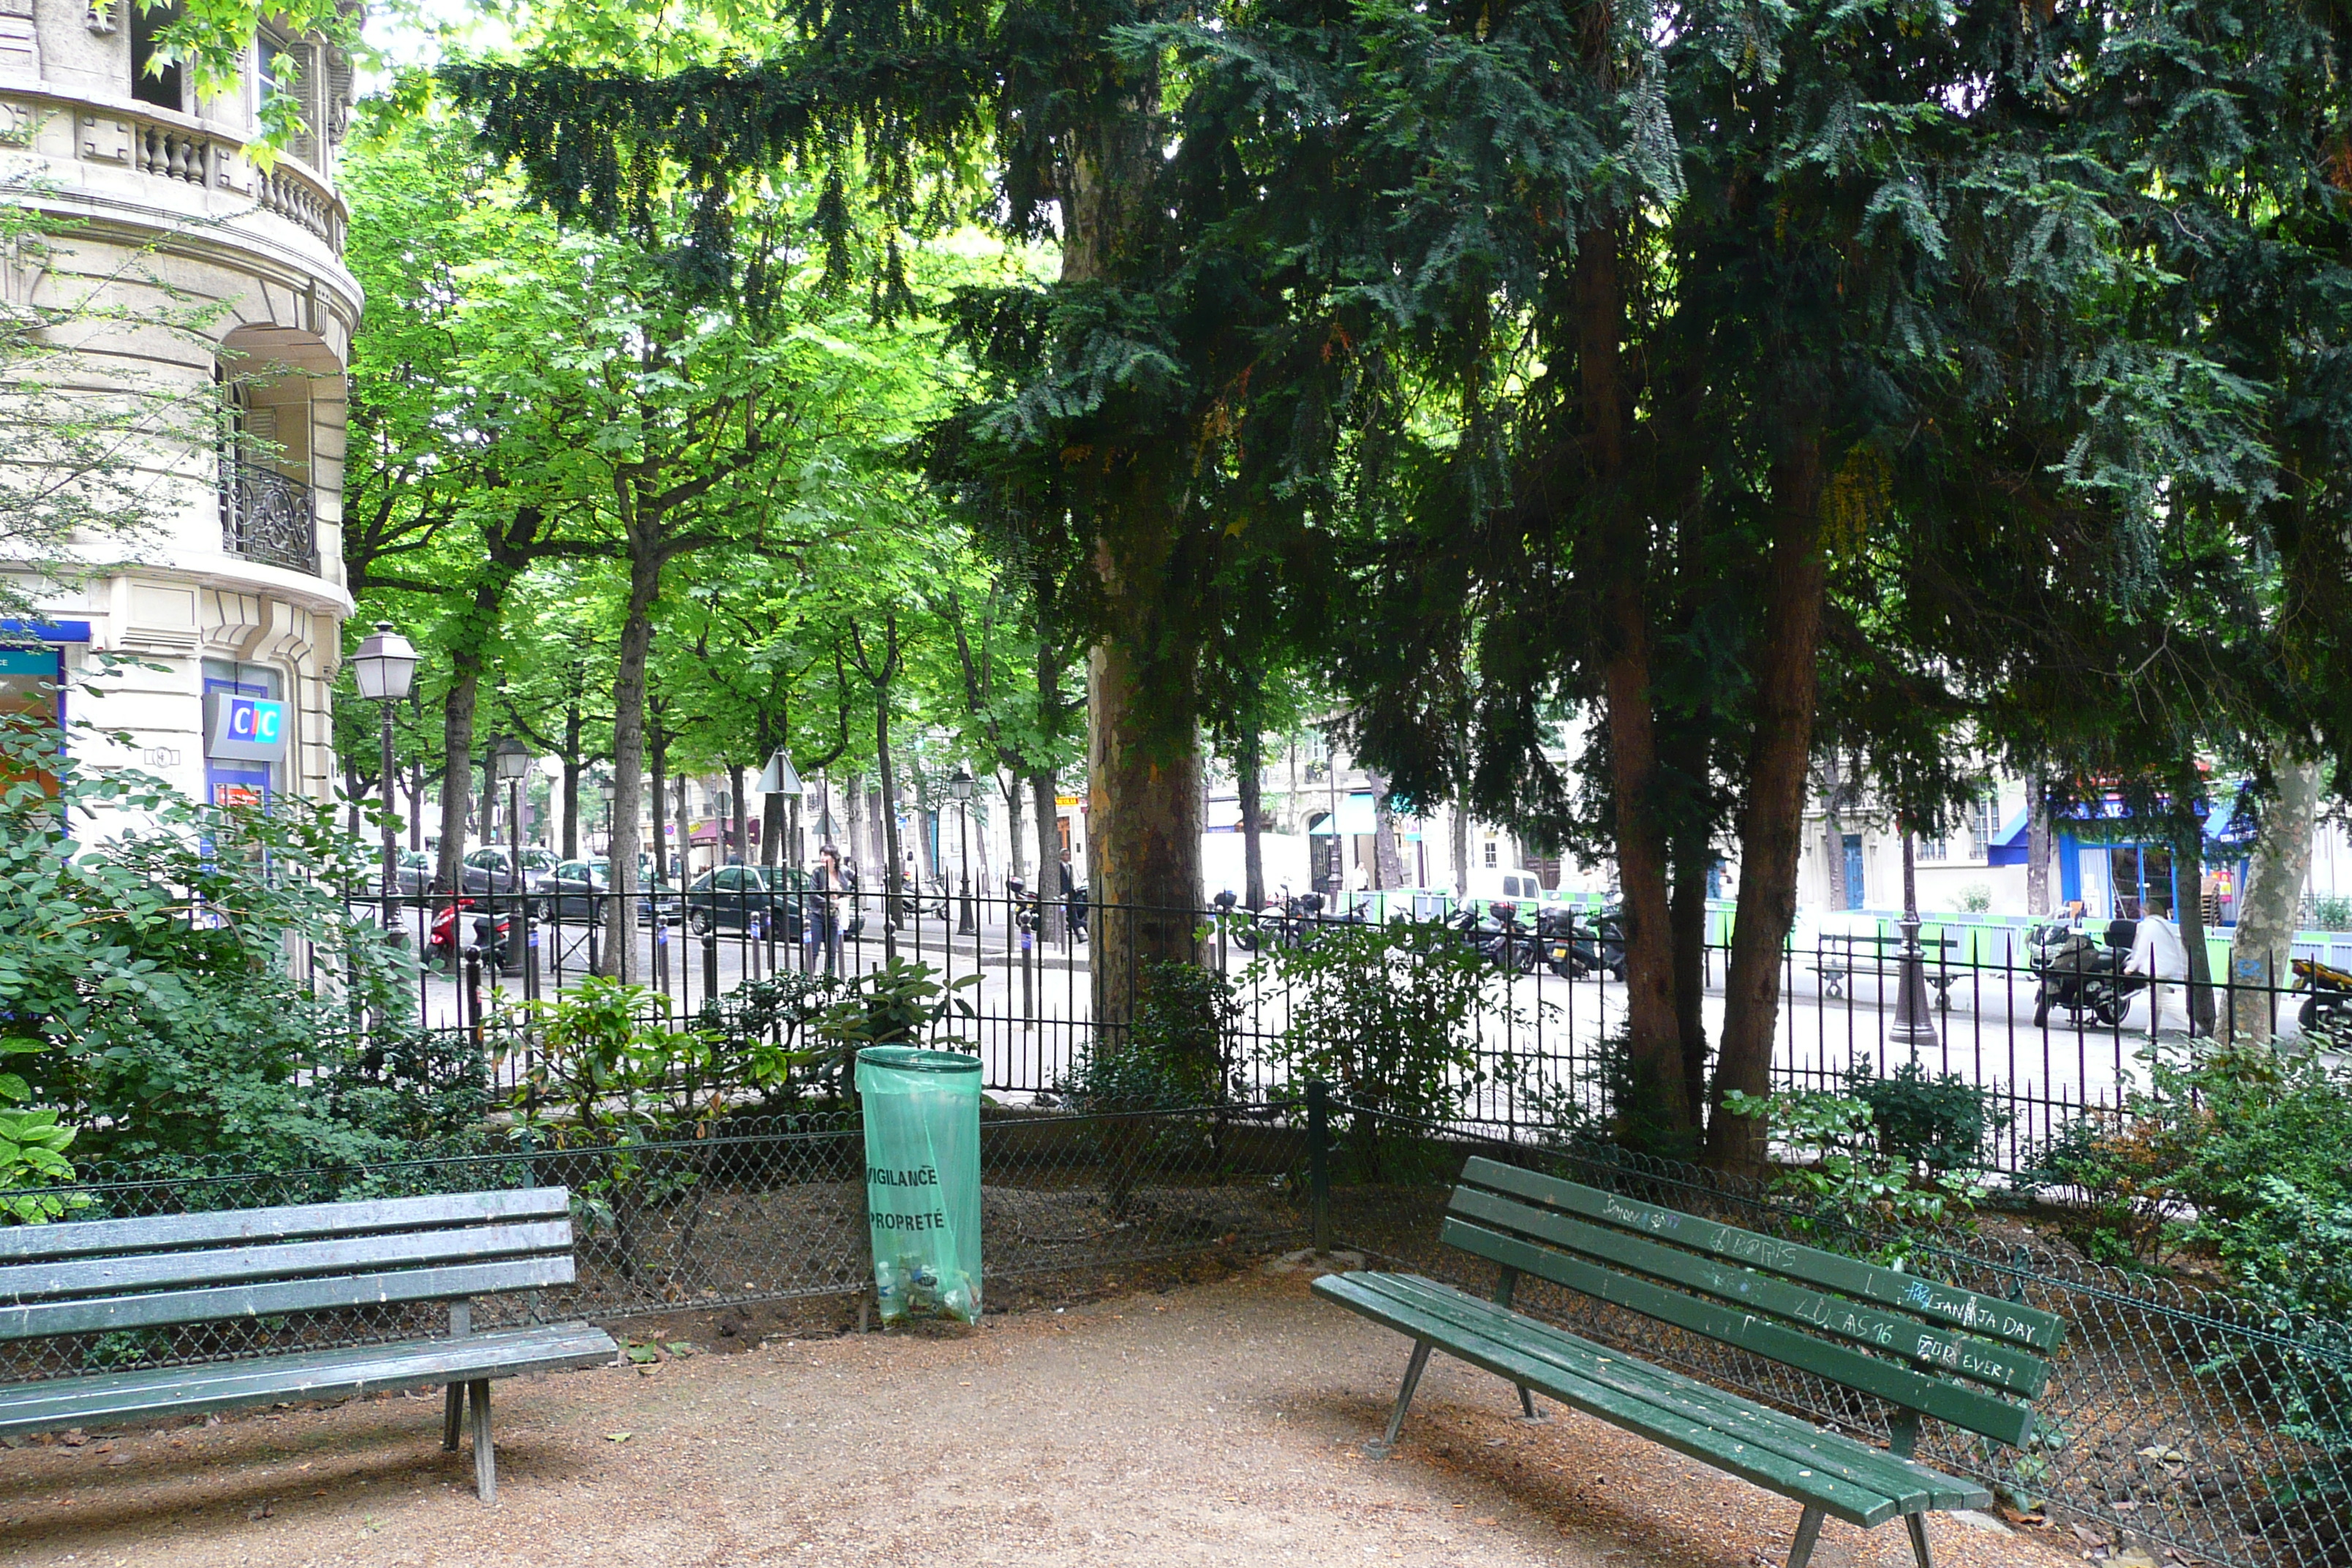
x,y
1976,898
149,984
1844,1185
1176,1056
1388,1015
1930,1124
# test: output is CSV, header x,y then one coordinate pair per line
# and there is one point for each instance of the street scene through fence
x,y
2053,1033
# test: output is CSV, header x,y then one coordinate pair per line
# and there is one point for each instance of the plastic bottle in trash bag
x,y
922,1180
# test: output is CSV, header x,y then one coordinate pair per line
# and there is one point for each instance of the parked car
x,y
577,893
729,898
491,870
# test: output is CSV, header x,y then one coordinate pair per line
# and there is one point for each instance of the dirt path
x,y
1213,1425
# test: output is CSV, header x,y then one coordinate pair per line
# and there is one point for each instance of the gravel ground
x,y
1212,1424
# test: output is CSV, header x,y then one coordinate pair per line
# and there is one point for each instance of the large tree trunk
x,y
1833,835
2188,913
618,956
741,825
572,726
1014,819
1143,828
1143,819
2037,845
2268,906
1388,865
458,705
1693,856
893,864
1773,826
1248,787
1659,1111
1045,793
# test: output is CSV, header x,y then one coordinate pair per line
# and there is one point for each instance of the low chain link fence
x,y
2175,1417
766,1210
2178,1417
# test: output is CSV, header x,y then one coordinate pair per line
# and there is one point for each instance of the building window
x,y
32,695
1931,850
1980,828
154,82
1490,852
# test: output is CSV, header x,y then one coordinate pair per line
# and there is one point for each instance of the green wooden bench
x,y
171,1271
1928,1350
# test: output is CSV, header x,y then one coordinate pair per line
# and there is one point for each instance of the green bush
x,y
1388,1015
1930,1124
1843,1182
183,982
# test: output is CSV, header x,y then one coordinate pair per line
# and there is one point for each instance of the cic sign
x,y
244,728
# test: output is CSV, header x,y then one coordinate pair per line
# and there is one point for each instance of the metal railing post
x,y
1318,1162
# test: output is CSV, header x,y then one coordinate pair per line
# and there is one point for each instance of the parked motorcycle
x,y
490,932
2083,974
2328,1008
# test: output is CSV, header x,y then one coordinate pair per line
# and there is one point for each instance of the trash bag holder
x,y
922,1180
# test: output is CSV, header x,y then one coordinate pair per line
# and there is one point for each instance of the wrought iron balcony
x,y
267,517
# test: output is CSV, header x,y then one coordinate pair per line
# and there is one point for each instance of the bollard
x,y
711,961
1318,1162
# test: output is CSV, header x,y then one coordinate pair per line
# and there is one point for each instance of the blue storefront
x,y
2110,861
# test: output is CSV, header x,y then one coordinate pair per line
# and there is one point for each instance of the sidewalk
x,y
1219,1424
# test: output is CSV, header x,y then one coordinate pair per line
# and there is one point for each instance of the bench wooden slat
x,y
371,1253
1987,1316
1909,1485
1811,1484
157,1233
98,1315
151,1393
1981,1361
1956,1403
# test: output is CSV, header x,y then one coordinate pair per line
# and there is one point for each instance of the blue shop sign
x,y
246,728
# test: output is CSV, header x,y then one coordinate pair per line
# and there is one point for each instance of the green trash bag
x,y
922,1180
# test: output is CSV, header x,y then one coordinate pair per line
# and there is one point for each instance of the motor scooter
x,y
2328,1008
2081,974
490,933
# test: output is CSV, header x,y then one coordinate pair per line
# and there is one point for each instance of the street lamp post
x,y
511,761
1915,1022
385,669
960,787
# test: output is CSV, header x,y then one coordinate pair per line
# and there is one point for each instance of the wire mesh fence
x,y
2175,1417
762,1210
2046,1020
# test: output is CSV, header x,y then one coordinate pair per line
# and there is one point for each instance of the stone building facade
x,y
234,607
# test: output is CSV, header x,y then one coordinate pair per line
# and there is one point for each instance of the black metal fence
x,y
2047,1054
2176,1416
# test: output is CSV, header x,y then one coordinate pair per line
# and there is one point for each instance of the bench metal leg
x,y
1413,1371
1919,1523
1527,1403
452,1415
486,1464
1809,1530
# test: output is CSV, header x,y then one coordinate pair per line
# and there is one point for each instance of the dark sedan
x,y
732,897
577,891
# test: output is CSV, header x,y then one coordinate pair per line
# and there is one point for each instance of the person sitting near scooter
x,y
2157,953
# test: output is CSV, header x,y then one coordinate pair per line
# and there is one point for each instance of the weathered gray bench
x,y
100,1277
1928,1350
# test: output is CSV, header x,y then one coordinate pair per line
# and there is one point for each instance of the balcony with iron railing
x,y
267,517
